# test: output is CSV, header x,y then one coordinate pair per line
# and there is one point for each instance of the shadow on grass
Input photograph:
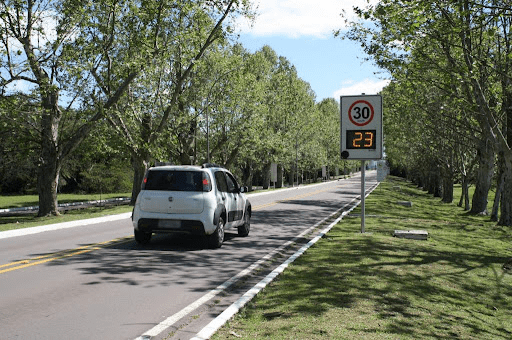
x,y
404,286
451,286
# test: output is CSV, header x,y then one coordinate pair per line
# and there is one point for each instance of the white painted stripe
x,y
63,225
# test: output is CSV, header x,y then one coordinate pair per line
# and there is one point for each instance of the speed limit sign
x,y
361,113
361,127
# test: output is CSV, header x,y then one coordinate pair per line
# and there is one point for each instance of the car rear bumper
x,y
171,226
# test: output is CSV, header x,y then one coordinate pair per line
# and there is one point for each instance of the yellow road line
x,y
60,255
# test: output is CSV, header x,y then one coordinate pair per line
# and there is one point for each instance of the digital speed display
x,y
361,139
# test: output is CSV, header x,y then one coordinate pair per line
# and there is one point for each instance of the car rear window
x,y
173,180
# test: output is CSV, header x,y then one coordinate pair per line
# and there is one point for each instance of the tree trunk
x,y
279,183
291,174
434,183
499,187
247,175
50,162
140,165
485,159
447,189
506,194
187,142
464,197
47,183
266,176
437,187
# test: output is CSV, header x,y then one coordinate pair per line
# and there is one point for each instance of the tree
x,y
82,56
185,32
467,42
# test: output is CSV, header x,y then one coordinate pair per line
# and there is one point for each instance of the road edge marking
x,y
62,225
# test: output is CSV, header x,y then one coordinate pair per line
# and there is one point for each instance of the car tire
x,y
142,237
216,239
244,229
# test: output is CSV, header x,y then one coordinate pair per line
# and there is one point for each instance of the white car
x,y
192,200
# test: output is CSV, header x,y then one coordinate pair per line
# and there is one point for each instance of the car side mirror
x,y
244,189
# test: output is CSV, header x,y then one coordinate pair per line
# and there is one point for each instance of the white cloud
x,y
296,18
367,86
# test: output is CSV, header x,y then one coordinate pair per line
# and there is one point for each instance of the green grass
x,y
26,221
19,201
30,220
374,286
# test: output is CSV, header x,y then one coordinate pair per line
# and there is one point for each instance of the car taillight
x,y
207,185
144,182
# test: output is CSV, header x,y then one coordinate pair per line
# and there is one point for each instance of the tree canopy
x,y
93,86
448,105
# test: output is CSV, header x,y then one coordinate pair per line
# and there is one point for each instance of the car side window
x,y
232,184
222,185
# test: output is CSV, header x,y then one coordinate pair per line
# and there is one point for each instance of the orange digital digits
x,y
361,139
355,141
369,139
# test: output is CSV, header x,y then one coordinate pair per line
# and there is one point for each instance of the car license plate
x,y
169,224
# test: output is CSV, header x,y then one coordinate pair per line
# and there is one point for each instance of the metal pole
x,y
297,159
362,195
207,137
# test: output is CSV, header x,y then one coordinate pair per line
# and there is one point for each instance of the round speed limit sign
x,y
361,113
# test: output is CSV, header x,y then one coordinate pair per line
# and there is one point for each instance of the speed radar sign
x,y
361,127
361,113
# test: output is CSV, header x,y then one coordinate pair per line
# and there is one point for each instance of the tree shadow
x,y
172,259
366,270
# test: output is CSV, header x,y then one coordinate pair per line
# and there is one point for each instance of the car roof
x,y
175,167
188,167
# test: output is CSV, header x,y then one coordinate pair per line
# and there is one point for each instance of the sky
x,y
302,32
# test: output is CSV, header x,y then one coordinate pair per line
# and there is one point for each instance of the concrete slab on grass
x,y
411,234
405,203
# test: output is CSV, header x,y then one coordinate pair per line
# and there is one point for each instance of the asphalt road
x,y
94,282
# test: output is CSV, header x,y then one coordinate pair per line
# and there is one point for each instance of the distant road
x,y
92,281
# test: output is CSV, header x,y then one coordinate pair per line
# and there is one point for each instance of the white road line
x,y
63,225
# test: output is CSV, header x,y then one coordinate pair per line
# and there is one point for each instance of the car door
x,y
226,197
227,191
238,203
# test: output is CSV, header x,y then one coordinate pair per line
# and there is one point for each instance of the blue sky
x,y
301,31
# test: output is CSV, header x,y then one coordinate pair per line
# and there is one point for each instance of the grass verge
x,y
349,285
31,220
19,201
27,221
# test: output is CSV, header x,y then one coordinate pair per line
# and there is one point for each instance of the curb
x,y
122,200
62,225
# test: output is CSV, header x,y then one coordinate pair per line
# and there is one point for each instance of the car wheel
x,y
244,229
216,239
142,237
